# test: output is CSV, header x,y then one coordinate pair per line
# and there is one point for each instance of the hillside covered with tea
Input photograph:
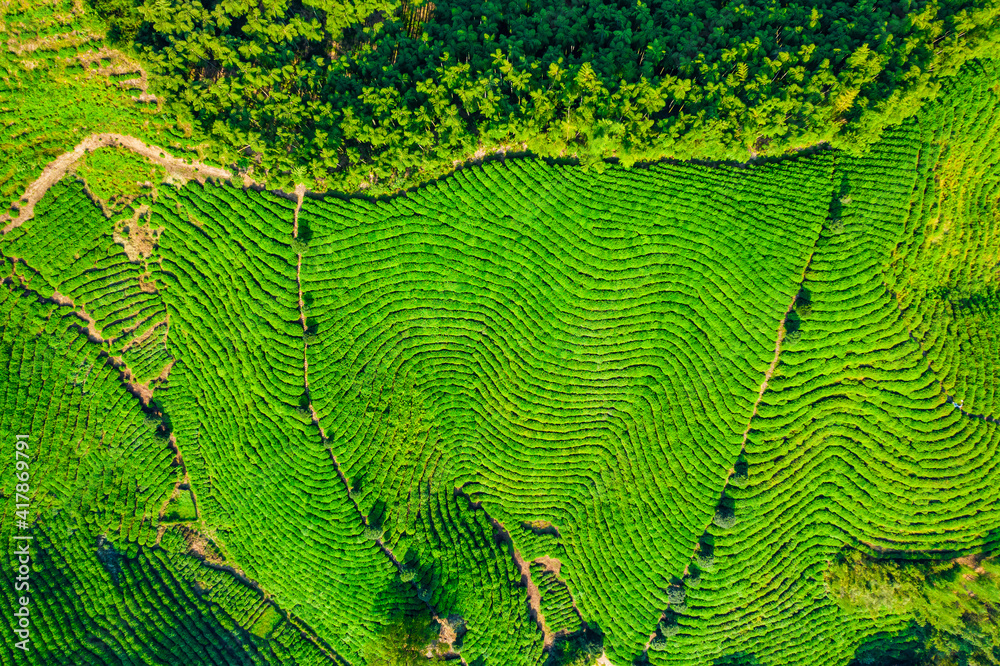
x,y
546,409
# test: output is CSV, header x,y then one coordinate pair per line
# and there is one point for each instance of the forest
x,y
379,94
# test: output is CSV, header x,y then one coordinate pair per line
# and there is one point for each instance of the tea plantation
x,y
522,408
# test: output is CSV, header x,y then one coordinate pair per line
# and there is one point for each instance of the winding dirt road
x,y
58,167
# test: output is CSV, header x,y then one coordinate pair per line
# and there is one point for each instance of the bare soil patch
x,y
59,299
54,42
145,285
139,241
550,564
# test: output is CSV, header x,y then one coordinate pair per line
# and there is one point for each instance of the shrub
x,y
706,560
402,643
724,518
676,595
859,582
668,625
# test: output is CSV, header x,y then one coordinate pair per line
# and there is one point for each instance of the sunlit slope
x,y
947,270
564,357
59,82
856,442
94,454
266,486
577,350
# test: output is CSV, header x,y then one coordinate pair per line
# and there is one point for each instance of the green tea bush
x,y
556,601
558,344
524,362
854,440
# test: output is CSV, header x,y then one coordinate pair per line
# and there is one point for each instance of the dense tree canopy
x,y
955,606
345,94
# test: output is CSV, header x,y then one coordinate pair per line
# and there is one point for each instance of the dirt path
x,y
778,338
534,596
300,193
58,167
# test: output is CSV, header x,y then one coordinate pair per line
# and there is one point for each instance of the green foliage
x,y
267,621
441,316
117,176
580,649
373,533
705,559
676,596
181,508
100,569
402,643
528,357
724,518
351,95
556,601
855,439
871,586
669,627
59,83
122,17
659,644
958,602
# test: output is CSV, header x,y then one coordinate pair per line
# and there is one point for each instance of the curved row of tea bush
x,y
190,272
854,443
579,349
95,454
103,588
105,605
69,248
265,483
946,279
556,602
530,350
462,569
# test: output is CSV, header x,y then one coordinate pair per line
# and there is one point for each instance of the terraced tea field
x,y
524,404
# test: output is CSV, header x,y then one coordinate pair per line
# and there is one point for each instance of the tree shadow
x,y
900,648
584,645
